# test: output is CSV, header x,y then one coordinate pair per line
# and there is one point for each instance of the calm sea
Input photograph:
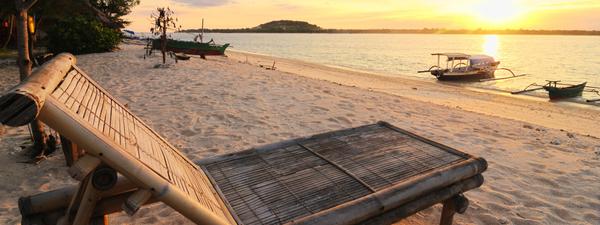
x,y
570,59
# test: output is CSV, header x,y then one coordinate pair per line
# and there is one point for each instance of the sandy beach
x,y
543,156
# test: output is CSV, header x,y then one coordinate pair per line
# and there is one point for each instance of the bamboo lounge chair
x,y
373,174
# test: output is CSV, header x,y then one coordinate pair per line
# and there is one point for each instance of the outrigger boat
x,y
192,48
556,89
460,66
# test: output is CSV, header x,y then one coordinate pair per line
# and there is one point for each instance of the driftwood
x,y
22,104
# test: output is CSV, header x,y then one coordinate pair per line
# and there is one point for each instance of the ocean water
x,y
571,59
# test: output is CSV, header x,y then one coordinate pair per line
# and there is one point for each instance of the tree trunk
x,y
163,38
24,62
22,44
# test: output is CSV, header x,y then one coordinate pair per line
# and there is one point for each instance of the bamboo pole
x,y
86,206
104,207
22,104
58,117
83,167
392,197
136,200
425,201
528,90
59,198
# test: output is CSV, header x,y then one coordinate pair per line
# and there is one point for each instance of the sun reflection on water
x,y
491,45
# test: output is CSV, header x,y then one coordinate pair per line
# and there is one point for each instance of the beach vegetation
x,y
163,20
80,35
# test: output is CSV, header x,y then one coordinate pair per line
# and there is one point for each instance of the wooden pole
x,y
202,32
528,90
24,61
22,37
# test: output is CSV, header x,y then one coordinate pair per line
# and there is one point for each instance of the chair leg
x,y
455,204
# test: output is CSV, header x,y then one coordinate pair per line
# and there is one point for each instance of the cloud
x,y
286,6
204,3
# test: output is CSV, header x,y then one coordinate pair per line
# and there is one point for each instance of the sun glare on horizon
x,y
498,12
491,45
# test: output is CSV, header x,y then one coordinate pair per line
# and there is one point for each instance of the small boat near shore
x,y
192,48
465,67
556,89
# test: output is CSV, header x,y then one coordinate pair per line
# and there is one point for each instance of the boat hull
x,y
565,92
192,48
471,76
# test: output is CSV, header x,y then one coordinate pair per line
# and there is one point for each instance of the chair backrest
x,y
69,101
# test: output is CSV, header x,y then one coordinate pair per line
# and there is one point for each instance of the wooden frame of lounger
x,y
31,99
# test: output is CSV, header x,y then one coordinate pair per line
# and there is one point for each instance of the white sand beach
x,y
544,157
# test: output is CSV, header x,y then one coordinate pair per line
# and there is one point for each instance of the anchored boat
x,y
192,48
556,89
460,66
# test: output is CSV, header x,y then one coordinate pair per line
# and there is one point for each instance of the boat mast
x,y
202,31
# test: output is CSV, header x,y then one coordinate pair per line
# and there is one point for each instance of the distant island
x,y
291,26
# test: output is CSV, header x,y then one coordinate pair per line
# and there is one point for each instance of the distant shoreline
x,y
410,31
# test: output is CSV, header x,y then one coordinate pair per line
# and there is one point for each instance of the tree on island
x,y
287,26
163,20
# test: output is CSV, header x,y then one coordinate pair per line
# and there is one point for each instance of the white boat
x,y
460,66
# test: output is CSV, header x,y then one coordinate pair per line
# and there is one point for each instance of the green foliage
x,y
80,35
287,26
115,9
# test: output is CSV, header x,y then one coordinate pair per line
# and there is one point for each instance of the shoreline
x,y
446,94
491,90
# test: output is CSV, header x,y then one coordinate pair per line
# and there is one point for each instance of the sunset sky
x,y
373,14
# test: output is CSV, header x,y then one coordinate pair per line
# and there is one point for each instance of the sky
x,y
377,14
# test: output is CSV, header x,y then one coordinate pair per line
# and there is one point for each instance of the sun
x,y
497,12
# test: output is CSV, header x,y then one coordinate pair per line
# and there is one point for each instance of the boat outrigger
x,y
460,66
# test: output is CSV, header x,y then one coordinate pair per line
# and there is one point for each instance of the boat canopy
x,y
475,60
454,56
